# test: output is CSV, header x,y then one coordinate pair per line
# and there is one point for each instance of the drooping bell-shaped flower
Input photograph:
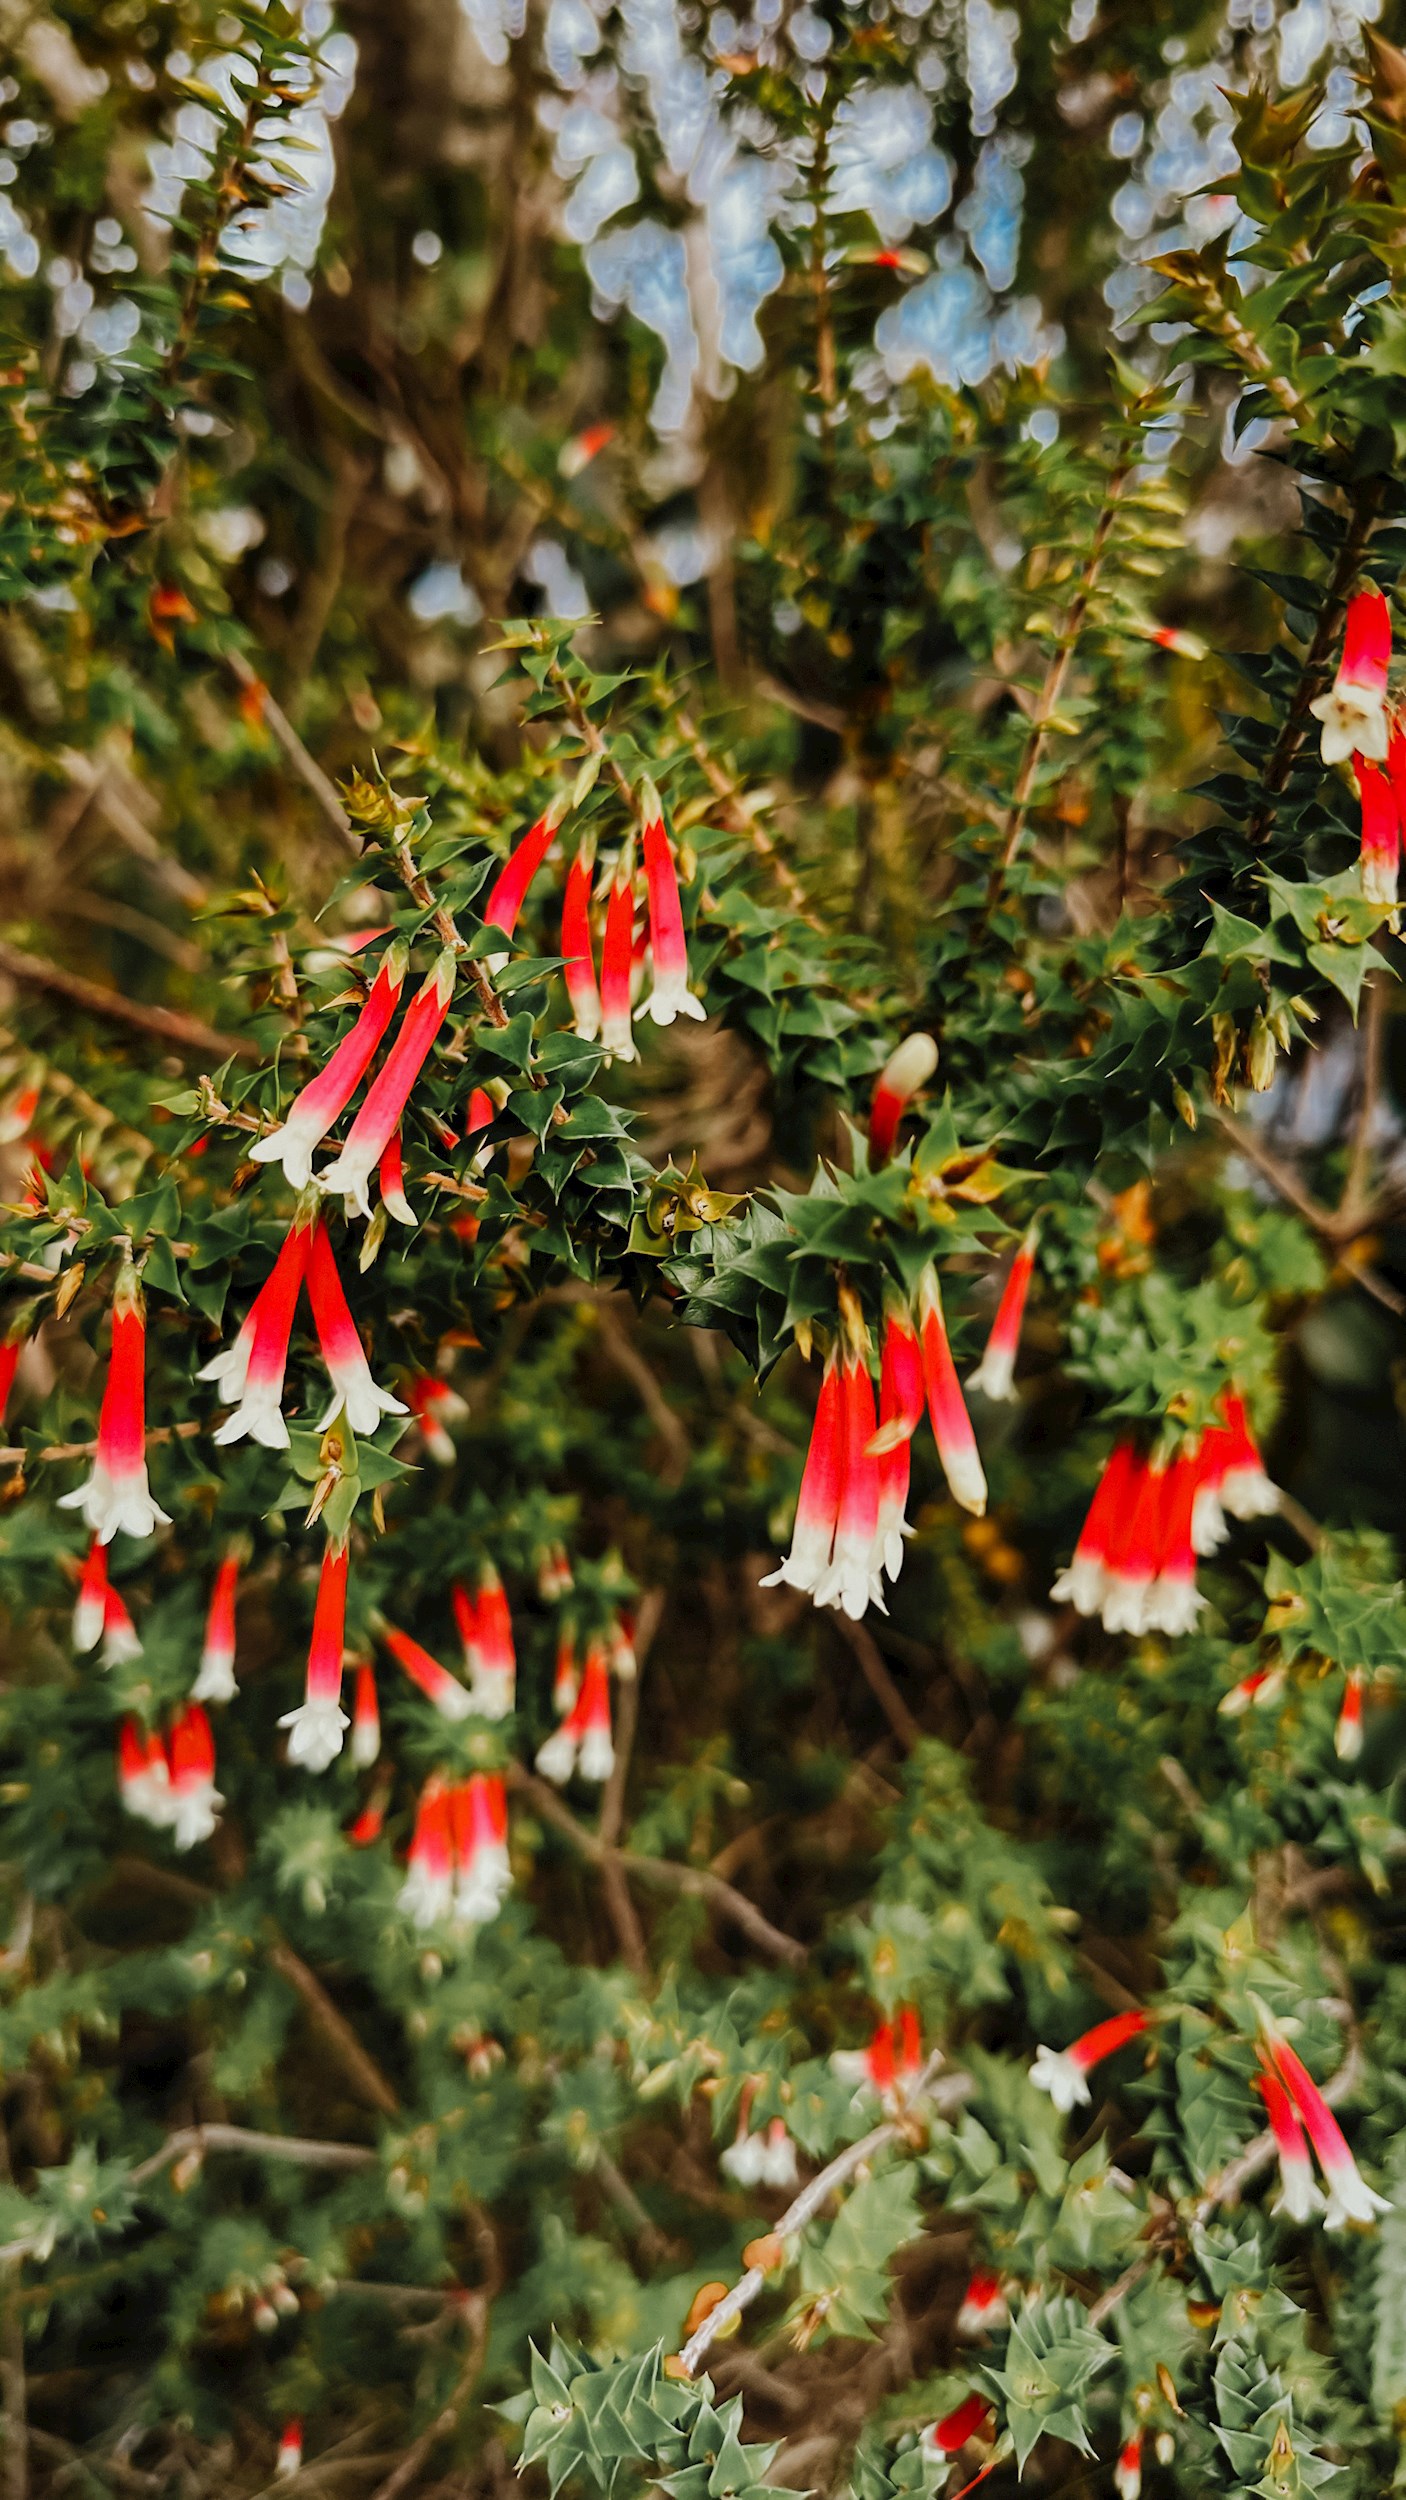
x,y
433,1404
508,892
90,1605
854,1579
1127,2471
764,2159
908,1071
670,995
289,2460
1349,2197
195,1800
576,945
435,1682
215,1681
380,1115
583,1741
818,1504
984,2309
390,1174
617,959
1256,1691
117,1494
1134,1556
892,2061
366,1720
947,2437
1084,1584
900,1413
120,1638
1064,2073
1381,834
1300,2196
318,1725
566,1680
1353,711
143,1774
1347,1735
1246,1491
620,1649
1173,1601
486,1631
951,1424
483,1875
323,1101
251,1371
342,1349
17,1113
427,1894
995,1373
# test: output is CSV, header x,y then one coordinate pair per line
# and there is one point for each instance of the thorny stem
x,y
1338,1228
1311,675
1252,356
738,817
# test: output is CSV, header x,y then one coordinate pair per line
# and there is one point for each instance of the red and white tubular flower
x,y
290,2451
117,1494
1085,1583
578,453
10,1352
1173,1601
984,2309
766,2159
366,1828
951,1424
250,1372
1381,834
508,892
817,1506
195,1800
620,1646
1127,2473
1349,2197
1063,2073
325,1099
909,1069
1255,1691
900,1413
380,1115
1353,711
488,1649
583,1741
576,944
1300,2196
995,1373
945,2438
891,2063
390,1173
17,1113
366,1720
120,1641
670,995
554,1573
143,1774
342,1349
617,959
566,1682
90,1605
854,1579
481,1114
431,1401
1231,1477
483,1875
1347,1735
215,1681
1135,1554
319,1723
435,1682
427,1894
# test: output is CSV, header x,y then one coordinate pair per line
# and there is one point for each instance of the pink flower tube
x,y
910,1068
317,1726
90,1606
1381,834
379,1117
325,1099
995,1373
1299,2194
1353,711
508,891
900,1413
117,1494
427,1894
951,1424
1063,2073
342,1349
391,1175
617,959
215,1682
252,1369
671,995
854,1578
1349,2197
576,945
434,1681
817,1508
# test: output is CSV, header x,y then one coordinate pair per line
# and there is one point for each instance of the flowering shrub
x,y
702,1716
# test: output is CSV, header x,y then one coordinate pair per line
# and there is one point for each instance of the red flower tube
x,y
1127,2473
854,1579
325,1099
995,1373
317,1726
1347,1736
117,1494
583,1741
1381,834
1084,1583
215,1682
1063,2073
90,1606
909,1069
195,1800
617,955
390,1173
951,1424
1353,711
483,1873
342,1349
1300,2196
670,995
143,1774
250,1372
366,1720
430,1401
508,892
489,1650
10,1352
900,1413
1349,2197
434,1681
380,1114
290,2451
576,944
817,1508
120,1641
566,1681
427,1894
947,2437
984,2309
1134,1557
1173,1602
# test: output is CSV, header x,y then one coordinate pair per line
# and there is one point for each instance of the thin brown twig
x,y
187,1034
1334,1228
313,2152
446,2419
361,2070
860,1640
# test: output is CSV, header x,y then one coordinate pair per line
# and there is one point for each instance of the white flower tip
x,y
556,1759
994,1378
315,1732
1055,2072
215,1682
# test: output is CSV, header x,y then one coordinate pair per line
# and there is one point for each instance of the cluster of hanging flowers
x,y
117,1494
891,2061
1299,2116
1359,727
458,1865
170,1782
582,1744
1134,1565
250,1372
